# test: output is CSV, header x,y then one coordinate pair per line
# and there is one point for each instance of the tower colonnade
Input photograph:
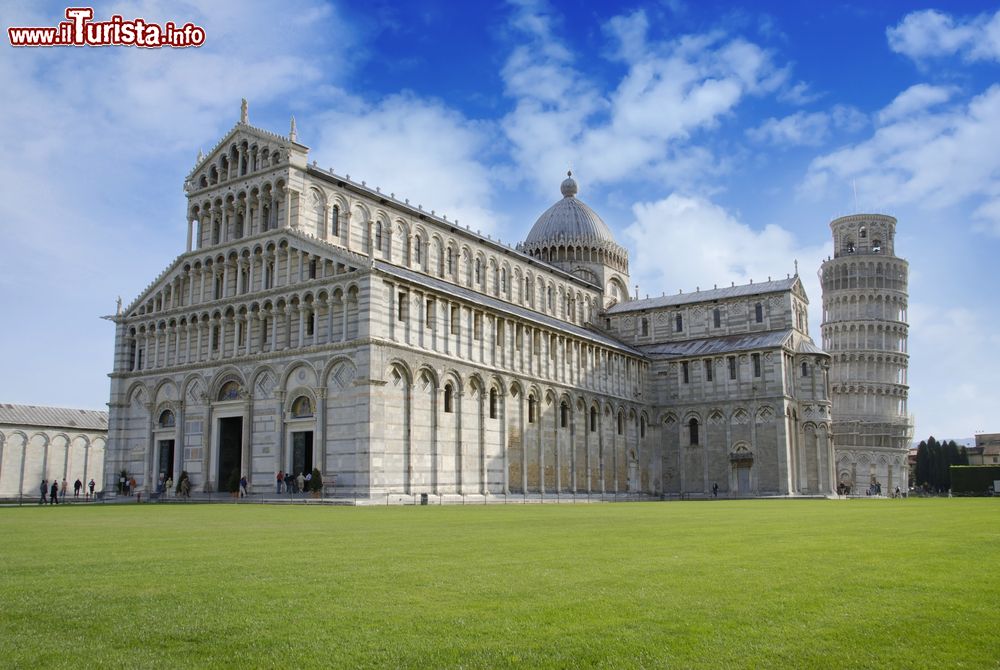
x,y
865,329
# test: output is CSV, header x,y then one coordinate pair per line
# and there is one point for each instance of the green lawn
x,y
749,584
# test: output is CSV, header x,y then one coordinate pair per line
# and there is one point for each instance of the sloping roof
x,y
807,347
777,285
710,346
53,417
498,305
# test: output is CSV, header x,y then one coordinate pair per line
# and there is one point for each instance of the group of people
x,y
127,485
292,483
54,494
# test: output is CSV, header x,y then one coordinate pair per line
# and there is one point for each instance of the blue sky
x,y
717,140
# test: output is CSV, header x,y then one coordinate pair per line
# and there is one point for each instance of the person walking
x,y
54,493
65,489
92,484
44,488
77,485
300,482
131,485
279,479
243,486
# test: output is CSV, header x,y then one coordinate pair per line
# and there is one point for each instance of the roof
x,y
498,305
775,286
710,346
569,220
53,417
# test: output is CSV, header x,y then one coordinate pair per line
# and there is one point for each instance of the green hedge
x,y
973,479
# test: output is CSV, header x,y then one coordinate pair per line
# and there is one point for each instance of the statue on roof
x,y
118,312
291,132
244,111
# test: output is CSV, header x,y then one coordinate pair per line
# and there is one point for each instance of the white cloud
x,y
913,100
415,148
954,338
807,129
102,139
671,90
927,159
799,93
688,242
929,33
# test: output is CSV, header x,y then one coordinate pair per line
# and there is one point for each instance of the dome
x,y
569,220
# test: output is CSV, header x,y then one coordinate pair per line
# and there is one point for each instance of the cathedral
x,y
315,322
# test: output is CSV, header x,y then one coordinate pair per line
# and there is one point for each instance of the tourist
x,y
715,490
123,485
300,483
65,489
131,485
92,484
77,485
243,486
54,493
169,485
279,479
44,489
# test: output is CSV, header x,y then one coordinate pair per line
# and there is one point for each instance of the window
x,y
876,246
335,221
593,419
563,415
693,431
266,329
678,323
645,327
708,370
685,371
416,249
621,423
302,407
217,288
863,233
449,398
311,323
493,403
477,326
479,272
500,333
378,235
269,275
805,369
215,338
716,318
532,408
642,427
451,262
430,313
456,314
312,269
850,247
401,305
756,364
167,419
731,360
503,280
758,310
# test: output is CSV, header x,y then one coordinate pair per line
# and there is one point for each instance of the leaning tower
x,y
864,330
